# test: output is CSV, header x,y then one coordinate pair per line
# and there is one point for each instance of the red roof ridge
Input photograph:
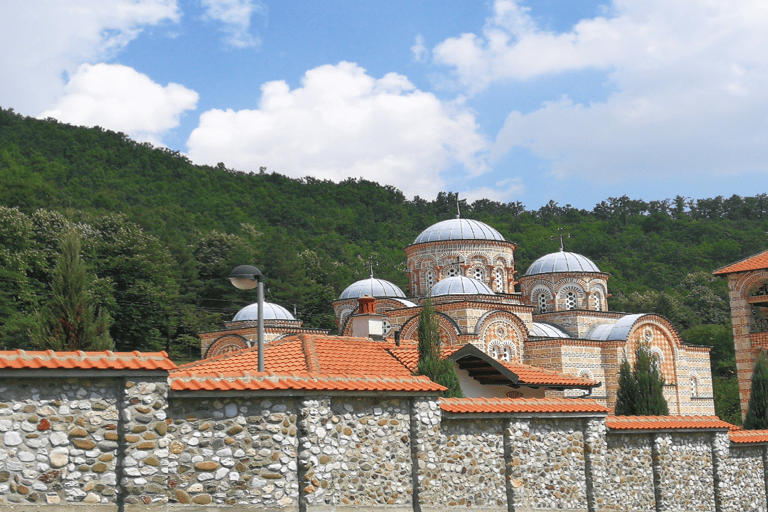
x,y
310,353
98,360
745,264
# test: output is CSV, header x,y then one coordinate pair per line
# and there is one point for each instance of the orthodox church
x,y
554,337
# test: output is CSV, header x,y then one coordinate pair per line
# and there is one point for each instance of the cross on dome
x,y
560,236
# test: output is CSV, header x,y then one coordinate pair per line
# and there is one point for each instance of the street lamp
x,y
247,277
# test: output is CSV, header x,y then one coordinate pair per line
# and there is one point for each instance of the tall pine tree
x,y
641,391
757,413
431,362
68,321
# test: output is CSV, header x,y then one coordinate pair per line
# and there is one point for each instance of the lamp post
x,y
247,277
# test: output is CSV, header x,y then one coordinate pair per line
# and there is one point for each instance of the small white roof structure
x,y
271,312
461,285
458,229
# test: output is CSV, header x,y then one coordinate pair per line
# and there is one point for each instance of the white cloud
x,y
235,15
122,99
689,81
44,40
420,52
502,191
344,123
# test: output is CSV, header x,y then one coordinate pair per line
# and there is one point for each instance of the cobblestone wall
x,y
114,441
59,441
471,468
233,452
742,480
629,482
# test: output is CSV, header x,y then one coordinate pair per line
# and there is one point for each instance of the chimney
x,y
367,323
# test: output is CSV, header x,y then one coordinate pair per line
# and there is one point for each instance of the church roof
x,y
461,285
757,261
373,287
271,312
545,330
613,332
561,261
458,229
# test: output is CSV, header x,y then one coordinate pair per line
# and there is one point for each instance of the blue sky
x,y
512,101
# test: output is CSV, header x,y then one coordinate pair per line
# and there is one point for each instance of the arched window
x,y
495,351
542,302
452,272
507,353
498,280
570,300
477,273
694,386
430,280
597,301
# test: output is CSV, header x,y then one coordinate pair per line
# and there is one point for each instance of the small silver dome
x,y
460,285
271,312
373,287
561,262
544,330
458,229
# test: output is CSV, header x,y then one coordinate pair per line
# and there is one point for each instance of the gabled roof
x,y
330,355
665,422
306,362
487,370
107,360
757,261
520,405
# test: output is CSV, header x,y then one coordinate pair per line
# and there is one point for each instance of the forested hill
x,y
161,234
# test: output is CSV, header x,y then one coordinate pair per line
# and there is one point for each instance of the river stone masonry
x,y
58,441
234,452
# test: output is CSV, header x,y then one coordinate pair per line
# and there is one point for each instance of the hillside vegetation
x,y
161,234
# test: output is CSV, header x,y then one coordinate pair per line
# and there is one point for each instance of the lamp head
x,y
246,277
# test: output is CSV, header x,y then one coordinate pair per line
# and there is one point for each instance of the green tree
x,y
69,322
431,362
641,392
757,413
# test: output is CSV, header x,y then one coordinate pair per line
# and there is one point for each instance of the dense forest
x,y
160,235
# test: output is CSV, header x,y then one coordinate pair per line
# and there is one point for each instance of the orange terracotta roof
x,y
191,380
665,422
748,436
107,360
539,376
329,355
757,261
408,353
520,405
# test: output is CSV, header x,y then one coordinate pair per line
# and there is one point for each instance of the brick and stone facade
x,y
748,291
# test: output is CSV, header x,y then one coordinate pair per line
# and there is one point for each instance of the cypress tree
x,y
757,413
431,363
641,392
68,322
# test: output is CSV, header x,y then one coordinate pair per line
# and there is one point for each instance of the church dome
x,y
460,285
561,262
373,287
271,312
458,229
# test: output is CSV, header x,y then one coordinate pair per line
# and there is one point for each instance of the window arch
x,y
597,300
452,271
502,351
498,280
430,280
570,300
541,303
478,274
694,386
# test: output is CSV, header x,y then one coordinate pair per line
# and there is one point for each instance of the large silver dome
x,y
271,312
460,285
458,229
561,262
373,287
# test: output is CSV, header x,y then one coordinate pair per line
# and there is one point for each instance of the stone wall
x,y
129,443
